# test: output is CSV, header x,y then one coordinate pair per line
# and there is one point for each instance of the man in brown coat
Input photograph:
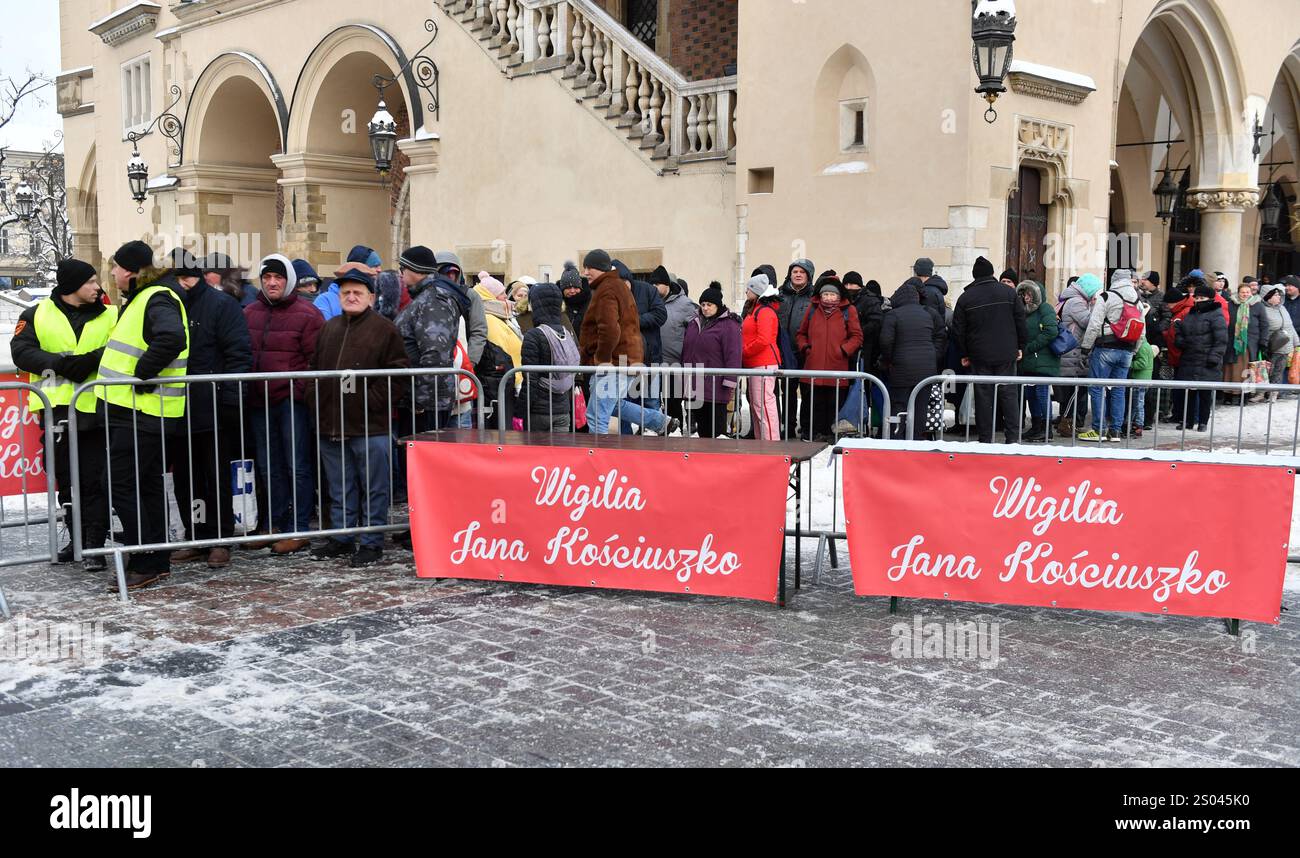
x,y
611,336
356,445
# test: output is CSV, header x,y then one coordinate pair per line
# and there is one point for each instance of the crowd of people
x,y
325,446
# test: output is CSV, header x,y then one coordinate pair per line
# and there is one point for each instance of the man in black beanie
x,y
128,261
989,324
58,343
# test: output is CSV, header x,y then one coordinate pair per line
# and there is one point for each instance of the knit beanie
x,y
853,278
760,286
570,278
1089,285
183,263
983,268
134,256
598,260
72,274
713,295
1010,274
1153,277
493,285
419,259
1204,290
923,267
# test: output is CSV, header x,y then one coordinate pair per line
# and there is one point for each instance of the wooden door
x,y
1027,227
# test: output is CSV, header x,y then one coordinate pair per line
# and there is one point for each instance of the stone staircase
x,y
671,121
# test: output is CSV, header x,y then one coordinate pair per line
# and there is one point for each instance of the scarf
x,y
1241,331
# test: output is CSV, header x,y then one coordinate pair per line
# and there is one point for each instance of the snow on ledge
x,y
1054,74
848,168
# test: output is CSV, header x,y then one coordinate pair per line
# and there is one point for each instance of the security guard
x,y
58,343
150,342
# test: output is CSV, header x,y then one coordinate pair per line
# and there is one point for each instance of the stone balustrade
x,y
641,96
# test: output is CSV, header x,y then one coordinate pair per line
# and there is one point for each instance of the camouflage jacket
x,y
429,327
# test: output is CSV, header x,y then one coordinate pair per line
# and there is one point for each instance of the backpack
x,y
564,352
785,348
1131,327
466,389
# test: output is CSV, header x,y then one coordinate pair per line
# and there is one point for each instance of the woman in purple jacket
x,y
712,342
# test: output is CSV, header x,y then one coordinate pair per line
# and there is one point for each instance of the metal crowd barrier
x,y
349,382
12,556
1180,397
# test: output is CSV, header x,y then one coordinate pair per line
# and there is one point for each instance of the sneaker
x,y
366,556
845,429
332,549
1090,435
674,426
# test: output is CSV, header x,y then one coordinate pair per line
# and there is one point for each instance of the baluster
x,y
712,128
597,64
652,136
543,34
575,44
512,27
664,149
630,93
584,79
618,101
607,86
642,105
498,22
693,126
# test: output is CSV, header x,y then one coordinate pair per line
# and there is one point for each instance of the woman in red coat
x,y
829,339
760,350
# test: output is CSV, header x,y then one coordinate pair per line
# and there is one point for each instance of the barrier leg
x,y
835,554
1234,627
798,525
821,554
893,605
4,606
120,566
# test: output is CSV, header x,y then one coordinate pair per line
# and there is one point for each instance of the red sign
x,y
1095,534
21,450
704,524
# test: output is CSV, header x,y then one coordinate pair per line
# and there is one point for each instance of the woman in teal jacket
x,y
1038,359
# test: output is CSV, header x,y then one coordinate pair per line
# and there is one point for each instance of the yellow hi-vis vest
x,y
54,332
125,348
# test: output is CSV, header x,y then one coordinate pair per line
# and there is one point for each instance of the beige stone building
x,y
709,135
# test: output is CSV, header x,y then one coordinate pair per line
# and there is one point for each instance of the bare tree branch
x,y
14,90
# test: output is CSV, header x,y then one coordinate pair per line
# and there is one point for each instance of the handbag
x,y
579,408
1278,342
1065,341
1293,371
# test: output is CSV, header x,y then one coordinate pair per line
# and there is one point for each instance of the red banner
x,y
704,524
21,450
1154,537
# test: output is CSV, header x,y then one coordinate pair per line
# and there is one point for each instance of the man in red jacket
x,y
283,332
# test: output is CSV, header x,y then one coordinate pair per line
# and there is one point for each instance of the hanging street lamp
x,y
993,31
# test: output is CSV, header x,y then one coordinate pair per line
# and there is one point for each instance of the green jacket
x,y
1043,328
1144,360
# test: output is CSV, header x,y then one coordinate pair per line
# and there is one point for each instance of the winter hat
x,y
1153,277
806,265
684,286
1010,274
72,274
923,267
598,260
983,268
183,263
275,263
830,284
570,279
217,262
661,277
419,259
1270,291
873,286
1196,272
1089,285
1291,280
853,278
493,285
134,256
365,255
1030,288
713,295
761,287
1204,290
304,272
621,269
1120,275
445,259
355,275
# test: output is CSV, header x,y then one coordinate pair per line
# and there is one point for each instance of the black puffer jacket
x,y
1203,338
912,339
989,323
548,309
871,315
219,345
933,293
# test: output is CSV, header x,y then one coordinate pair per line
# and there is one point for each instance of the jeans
x,y
854,410
1109,363
607,392
353,466
284,464
1040,403
1139,400
625,426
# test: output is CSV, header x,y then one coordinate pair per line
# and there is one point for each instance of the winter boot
x,y
1037,430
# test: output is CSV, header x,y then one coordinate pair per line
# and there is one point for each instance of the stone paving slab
x,y
281,661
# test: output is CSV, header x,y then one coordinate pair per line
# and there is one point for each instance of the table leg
x,y
798,524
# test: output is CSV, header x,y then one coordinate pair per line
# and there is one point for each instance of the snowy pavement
x,y
280,661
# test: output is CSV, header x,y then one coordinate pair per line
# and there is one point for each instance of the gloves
x,y
78,368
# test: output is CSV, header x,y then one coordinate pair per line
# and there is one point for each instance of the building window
x,y
4,242
853,125
136,95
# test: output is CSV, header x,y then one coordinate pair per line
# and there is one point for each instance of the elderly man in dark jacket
x,y
283,332
913,340
200,457
796,298
430,326
989,324
356,420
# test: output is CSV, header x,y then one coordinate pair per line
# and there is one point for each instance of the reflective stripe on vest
x,y
125,348
54,332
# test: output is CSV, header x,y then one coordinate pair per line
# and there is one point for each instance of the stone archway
x,y
334,197
227,191
83,211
